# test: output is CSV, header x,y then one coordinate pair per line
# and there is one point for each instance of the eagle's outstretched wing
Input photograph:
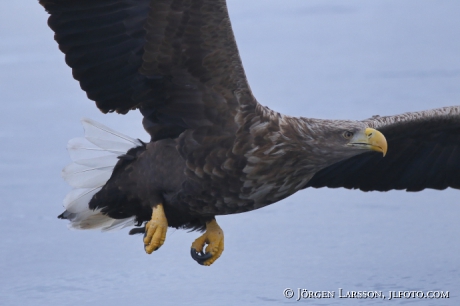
x,y
423,152
175,60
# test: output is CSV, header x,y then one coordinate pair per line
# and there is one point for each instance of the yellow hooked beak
x,y
371,139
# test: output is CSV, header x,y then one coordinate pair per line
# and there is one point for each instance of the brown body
x,y
201,174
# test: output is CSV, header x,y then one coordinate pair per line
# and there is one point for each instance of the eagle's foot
x,y
214,238
155,230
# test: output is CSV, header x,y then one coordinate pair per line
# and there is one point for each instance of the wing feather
x,y
175,60
423,152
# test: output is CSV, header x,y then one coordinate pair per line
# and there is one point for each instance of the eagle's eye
x,y
347,134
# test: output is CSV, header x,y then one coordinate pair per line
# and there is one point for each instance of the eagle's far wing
x,y
175,60
423,152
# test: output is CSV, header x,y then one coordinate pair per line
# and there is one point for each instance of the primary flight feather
x,y
214,149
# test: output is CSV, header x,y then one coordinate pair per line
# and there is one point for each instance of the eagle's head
x,y
330,141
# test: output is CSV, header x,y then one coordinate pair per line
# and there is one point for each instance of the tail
x,y
94,158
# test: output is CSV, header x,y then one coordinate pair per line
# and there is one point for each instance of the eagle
x,y
214,150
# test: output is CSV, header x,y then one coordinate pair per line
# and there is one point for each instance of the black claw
x,y
137,230
200,257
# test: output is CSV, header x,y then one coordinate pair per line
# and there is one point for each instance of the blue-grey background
x,y
318,58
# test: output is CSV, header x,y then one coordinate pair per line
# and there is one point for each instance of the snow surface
x,y
318,58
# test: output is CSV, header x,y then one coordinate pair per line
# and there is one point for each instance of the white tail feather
x,y
94,129
109,144
81,148
94,158
77,200
103,161
96,220
79,176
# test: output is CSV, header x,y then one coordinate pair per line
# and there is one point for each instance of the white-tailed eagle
x,y
214,150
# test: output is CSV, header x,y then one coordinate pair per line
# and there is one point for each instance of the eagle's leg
x,y
155,230
214,238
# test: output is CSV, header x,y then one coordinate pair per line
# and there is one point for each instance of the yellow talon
x,y
155,230
214,238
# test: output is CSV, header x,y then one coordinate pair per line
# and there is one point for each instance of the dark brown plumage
x,y
424,153
214,149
